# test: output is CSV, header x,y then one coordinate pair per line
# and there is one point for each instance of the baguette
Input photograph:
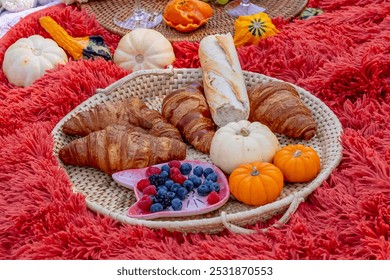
x,y
223,80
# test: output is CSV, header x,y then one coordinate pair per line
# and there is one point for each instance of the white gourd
x,y
143,49
28,59
242,142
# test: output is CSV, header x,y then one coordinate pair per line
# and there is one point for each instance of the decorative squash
x,y
256,183
298,163
29,58
250,29
242,142
187,15
143,49
77,47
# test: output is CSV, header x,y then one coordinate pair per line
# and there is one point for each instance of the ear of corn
x,y
74,46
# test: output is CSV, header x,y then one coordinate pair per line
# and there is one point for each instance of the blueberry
x,y
208,182
171,195
212,177
176,204
215,187
181,193
175,187
154,199
196,180
189,185
207,171
168,184
164,175
198,171
203,190
156,207
166,168
162,191
185,168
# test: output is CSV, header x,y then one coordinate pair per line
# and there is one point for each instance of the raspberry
x,y
213,198
174,171
174,163
145,202
179,178
143,184
150,190
152,170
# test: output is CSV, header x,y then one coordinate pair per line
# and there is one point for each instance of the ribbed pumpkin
x,y
251,29
186,15
256,183
298,163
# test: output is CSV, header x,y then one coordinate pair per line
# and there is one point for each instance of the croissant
x,y
279,106
131,112
115,148
187,109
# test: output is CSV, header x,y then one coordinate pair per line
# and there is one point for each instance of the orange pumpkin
x,y
187,15
256,183
298,163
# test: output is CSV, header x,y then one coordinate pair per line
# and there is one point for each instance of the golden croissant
x,y
116,148
279,106
131,112
187,109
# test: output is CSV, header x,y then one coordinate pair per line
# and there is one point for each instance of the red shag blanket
x,y
342,56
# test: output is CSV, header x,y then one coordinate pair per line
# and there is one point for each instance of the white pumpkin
x,y
242,142
143,48
29,58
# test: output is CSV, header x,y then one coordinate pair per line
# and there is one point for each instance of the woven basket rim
x,y
230,217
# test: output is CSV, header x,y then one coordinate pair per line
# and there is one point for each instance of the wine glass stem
x,y
138,14
245,3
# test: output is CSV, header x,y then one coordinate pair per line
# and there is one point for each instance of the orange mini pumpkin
x,y
298,163
256,183
187,15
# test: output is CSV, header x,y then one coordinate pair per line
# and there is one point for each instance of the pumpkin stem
x,y
255,172
244,132
297,153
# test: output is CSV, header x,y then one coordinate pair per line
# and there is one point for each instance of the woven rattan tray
x,y
105,196
221,22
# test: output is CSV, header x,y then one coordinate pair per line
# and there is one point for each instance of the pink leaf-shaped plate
x,y
193,204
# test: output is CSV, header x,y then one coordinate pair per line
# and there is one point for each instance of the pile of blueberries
x,y
169,185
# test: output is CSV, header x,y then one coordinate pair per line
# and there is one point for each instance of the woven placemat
x,y
105,196
221,22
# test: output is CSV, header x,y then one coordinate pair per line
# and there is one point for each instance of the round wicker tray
x,y
105,196
221,22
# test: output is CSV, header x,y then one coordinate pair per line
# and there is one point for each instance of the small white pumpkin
x,y
142,49
28,59
242,142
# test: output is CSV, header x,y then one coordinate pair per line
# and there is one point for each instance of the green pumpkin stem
x,y
255,172
244,132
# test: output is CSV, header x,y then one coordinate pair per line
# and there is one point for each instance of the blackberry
x,y
185,168
198,171
156,180
164,200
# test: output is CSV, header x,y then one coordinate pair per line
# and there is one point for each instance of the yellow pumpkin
x,y
298,163
250,29
256,183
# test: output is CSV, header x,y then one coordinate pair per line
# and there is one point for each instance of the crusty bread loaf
x,y
223,80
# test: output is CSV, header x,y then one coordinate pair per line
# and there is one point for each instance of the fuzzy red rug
x,y
342,56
